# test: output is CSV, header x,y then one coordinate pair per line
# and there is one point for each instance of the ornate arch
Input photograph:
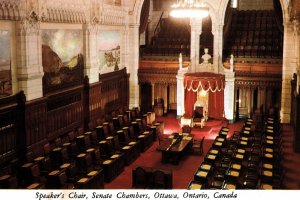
x,y
213,14
137,8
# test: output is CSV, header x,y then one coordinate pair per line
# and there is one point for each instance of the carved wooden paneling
x,y
94,104
297,124
295,112
161,75
155,71
254,81
114,90
259,69
36,122
65,112
10,123
295,9
25,127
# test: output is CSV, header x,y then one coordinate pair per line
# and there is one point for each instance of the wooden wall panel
x,y
94,102
65,112
110,94
10,123
26,126
114,90
35,122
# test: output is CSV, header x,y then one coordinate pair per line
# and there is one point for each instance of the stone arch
x,y
137,9
213,15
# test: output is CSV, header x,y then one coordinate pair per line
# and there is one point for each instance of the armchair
x,y
198,117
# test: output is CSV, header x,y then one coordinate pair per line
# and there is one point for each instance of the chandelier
x,y
189,9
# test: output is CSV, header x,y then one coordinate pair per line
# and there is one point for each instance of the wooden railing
x,y
11,124
256,68
159,64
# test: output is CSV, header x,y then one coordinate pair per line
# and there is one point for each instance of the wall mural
x,y
62,56
5,64
108,47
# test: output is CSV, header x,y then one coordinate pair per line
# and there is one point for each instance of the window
x,y
234,3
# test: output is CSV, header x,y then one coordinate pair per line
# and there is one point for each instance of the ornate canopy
x,y
213,84
206,81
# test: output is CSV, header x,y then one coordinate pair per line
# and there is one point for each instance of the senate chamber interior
x,y
150,94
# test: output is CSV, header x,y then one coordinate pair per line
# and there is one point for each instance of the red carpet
x,y
183,172
291,160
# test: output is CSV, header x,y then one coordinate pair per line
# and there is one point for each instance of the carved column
x,y
133,64
196,29
29,57
288,68
90,52
165,96
252,99
180,91
218,48
124,47
249,103
152,93
229,99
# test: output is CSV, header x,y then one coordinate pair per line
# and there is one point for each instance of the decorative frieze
x,y
112,15
9,10
257,83
63,16
162,76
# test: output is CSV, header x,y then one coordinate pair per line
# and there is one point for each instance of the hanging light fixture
x,y
189,9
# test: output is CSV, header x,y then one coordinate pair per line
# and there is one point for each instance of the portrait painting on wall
x,y
5,64
108,47
62,56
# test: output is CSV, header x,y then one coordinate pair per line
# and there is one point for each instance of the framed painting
x,y
62,58
108,51
5,64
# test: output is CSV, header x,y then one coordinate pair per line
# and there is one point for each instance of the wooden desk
x,y
177,151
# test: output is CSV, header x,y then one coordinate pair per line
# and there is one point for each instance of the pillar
x,y
180,91
132,63
288,68
152,93
249,102
165,96
217,31
229,99
196,29
90,52
29,58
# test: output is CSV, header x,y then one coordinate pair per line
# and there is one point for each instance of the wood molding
x,y
259,69
157,71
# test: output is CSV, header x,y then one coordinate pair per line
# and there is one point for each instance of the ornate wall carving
x,y
250,83
65,11
10,10
112,15
162,76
